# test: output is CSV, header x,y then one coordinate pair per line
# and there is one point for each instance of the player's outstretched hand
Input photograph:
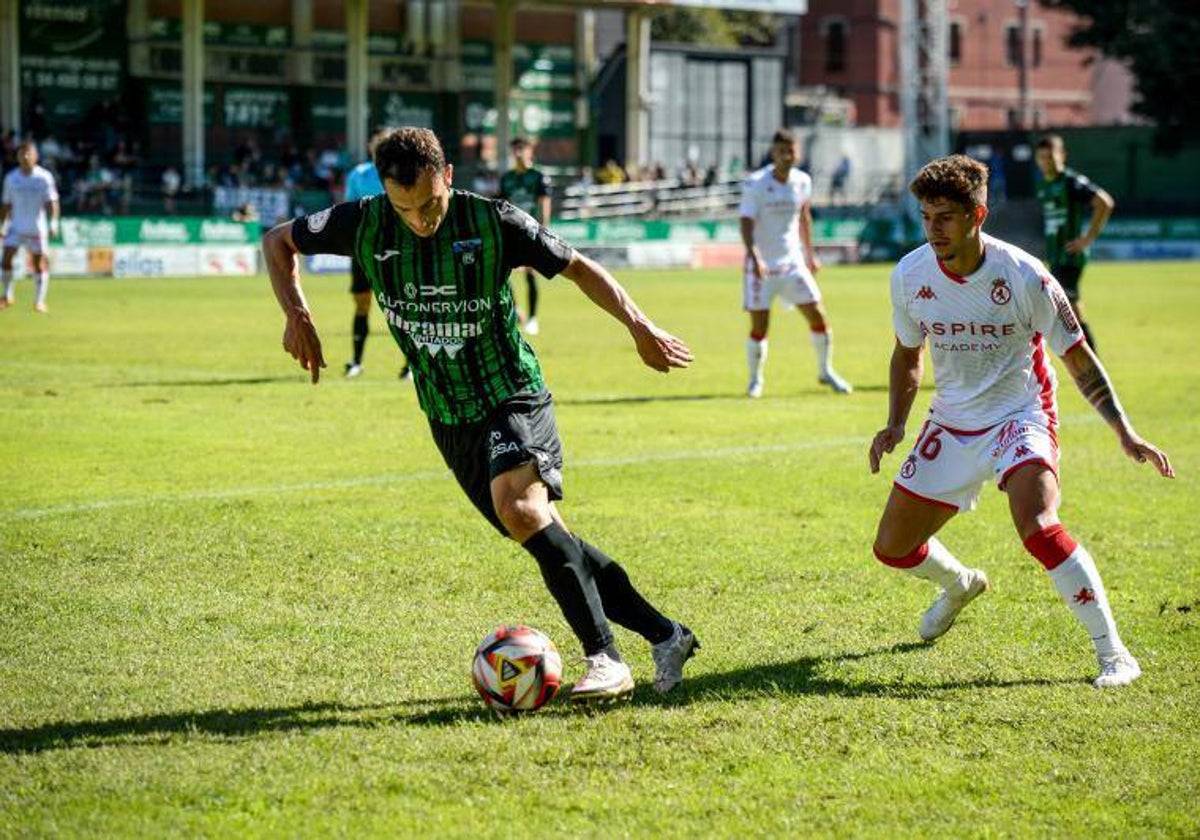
x,y
885,441
659,349
301,341
1142,451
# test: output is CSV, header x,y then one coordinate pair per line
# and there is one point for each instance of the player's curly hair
x,y
956,177
402,154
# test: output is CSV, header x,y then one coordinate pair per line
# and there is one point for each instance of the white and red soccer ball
x,y
517,669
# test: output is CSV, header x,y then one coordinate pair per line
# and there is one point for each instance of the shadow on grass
x,y
202,383
804,676
647,399
798,677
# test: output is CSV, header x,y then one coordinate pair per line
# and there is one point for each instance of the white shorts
x,y
34,243
791,281
948,467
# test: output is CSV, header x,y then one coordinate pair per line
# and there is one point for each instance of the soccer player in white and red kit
x,y
776,227
29,195
988,311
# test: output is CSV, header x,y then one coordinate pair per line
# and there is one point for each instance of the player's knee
x,y
521,514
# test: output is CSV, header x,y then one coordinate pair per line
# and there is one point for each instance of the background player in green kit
x,y
438,260
529,189
1066,197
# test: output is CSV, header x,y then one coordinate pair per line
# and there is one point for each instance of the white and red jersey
x,y
774,207
27,196
987,333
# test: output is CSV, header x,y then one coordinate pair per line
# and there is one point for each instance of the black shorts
x,y
358,279
520,430
1068,277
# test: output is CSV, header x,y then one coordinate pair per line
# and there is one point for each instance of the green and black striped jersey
x,y
524,189
1065,202
446,298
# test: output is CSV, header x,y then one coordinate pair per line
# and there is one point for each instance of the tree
x,y
1158,40
715,28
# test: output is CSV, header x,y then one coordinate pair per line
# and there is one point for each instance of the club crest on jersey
x,y
910,467
318,220
467,250
926,293
1001,294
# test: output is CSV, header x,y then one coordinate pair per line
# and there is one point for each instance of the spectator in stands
x,y
245,213
611,173
837,183
171,182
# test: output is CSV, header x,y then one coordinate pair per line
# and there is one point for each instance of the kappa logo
x,y
386,255
926,293
1001,294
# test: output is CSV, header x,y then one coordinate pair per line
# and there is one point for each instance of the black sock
x,y
622,602
569,579
531,284
359,333
1087,333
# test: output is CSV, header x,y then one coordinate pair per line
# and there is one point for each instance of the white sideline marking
x,y
427,475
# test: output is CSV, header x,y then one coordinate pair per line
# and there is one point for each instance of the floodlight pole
x,y
10,66
357,65
637,69
924,80
192,36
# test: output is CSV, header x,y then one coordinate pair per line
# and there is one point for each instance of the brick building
x,y
850,49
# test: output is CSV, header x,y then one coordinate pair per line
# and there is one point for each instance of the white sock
x,y
822,343
7,276
41,287
756,358
1079,584
940,566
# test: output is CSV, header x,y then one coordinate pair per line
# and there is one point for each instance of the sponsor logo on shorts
x,y
1022,451
910,467
500,447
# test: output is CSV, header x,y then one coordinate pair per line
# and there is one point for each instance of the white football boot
x,y
531,327
1117,669
606,679
353,369
839,385
755,389
670,655
940,617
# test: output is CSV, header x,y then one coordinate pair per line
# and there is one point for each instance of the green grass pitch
x,y
234,604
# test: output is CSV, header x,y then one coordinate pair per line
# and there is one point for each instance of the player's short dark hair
x,y
402,154
374,141
1053,142
784,135
957,178
518,143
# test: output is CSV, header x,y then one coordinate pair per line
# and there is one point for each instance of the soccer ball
x,y
517,669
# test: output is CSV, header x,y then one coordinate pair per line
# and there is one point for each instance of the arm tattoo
x,y
1094,385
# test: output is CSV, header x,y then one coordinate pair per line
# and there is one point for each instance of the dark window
x,y
955,44
1012,45
1037,48
835,46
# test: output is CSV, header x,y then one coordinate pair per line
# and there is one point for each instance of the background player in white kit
x,y
988,310
29,195
776,221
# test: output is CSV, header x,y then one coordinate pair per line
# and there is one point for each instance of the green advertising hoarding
x,y
102,231
73,55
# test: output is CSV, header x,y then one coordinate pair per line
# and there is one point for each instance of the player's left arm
x,y
806,238
1093,382
1102,208
658,348
53,211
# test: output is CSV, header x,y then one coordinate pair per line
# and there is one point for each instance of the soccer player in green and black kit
x,y
1066,196
438,260
528,189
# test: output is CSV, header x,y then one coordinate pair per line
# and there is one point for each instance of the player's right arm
x,y
904,380
331,231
